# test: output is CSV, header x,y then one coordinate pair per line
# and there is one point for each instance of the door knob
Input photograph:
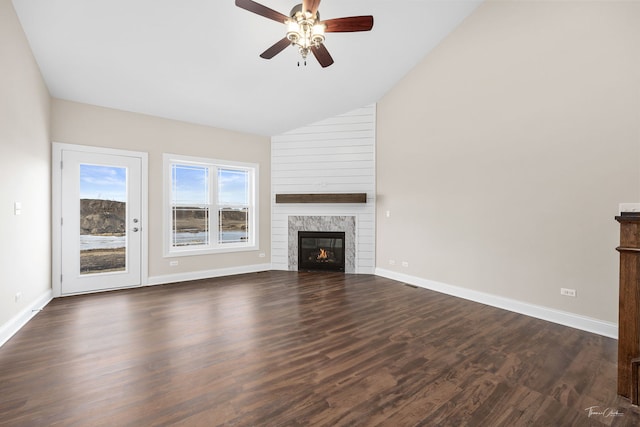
x,y
135,229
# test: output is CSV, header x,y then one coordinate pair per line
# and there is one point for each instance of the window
x,y
210,205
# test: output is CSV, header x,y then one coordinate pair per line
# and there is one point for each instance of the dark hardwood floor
x,y
289,349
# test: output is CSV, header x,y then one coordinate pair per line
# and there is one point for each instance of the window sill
x,y
197,252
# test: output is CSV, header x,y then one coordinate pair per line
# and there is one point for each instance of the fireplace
x,y
321,250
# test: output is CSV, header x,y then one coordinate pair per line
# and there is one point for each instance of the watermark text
x,y
603,412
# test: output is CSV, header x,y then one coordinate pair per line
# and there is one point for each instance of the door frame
x,y
56,208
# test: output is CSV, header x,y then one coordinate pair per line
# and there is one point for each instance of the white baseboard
x,y
14,324
572,320
206,274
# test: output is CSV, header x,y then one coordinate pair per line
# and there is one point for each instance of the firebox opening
x,y
321,250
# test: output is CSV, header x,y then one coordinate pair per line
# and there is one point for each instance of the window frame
x,y
214,246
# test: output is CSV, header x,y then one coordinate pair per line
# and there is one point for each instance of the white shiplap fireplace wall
x,y
336,155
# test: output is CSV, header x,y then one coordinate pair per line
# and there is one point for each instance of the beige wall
x,y
502,157
24,171
75,123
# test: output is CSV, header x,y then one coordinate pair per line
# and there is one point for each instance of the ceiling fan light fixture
x,y
317,34
304,51
305,29
293,31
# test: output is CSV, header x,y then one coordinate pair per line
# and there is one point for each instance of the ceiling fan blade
x,y
261,10
322,55
311,5
349,24
278,47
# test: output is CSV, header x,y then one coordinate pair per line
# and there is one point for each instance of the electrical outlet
x,y
173,263
568,292
387,214
405,263
392,262
18,296
262,255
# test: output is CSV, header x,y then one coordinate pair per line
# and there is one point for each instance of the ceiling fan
x,y
305,29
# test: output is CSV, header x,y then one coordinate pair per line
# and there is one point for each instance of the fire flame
x,y
323,254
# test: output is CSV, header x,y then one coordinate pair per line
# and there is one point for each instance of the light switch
x,y
17,208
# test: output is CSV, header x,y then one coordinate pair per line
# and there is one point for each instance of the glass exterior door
x,y
101,205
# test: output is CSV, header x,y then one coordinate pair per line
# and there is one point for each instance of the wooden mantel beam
x,y
322,198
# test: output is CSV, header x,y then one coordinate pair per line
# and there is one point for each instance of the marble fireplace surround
x,y
323,223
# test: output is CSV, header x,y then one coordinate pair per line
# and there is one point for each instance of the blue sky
x,y
191,185
103,182
233,186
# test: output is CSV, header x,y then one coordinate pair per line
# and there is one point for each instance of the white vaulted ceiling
x,y
198,60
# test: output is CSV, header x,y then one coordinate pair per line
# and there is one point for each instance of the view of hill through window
x,y
103,216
